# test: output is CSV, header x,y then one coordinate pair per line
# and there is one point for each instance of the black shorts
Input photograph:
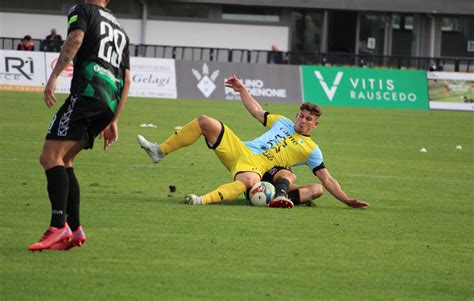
x,y
268,176
80,118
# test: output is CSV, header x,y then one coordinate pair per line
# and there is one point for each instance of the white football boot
x,y
192,199
152,149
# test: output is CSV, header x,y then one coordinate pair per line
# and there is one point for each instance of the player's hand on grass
x,y
109,134
49,97
356,203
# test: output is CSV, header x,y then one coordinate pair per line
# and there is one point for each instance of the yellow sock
x,y
226,192
184,137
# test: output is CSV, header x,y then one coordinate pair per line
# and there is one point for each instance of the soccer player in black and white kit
x,y
101,80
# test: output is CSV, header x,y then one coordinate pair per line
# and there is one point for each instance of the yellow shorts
x,y
235,156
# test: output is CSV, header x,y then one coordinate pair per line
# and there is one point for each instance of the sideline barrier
x,y
205,80
22,69
29,71
64,79
161,78
451,91
360,87
154,78
168,78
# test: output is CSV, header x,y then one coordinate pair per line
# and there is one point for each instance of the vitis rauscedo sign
x,y
360,87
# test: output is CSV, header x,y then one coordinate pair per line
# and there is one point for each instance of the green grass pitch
x,y
414,242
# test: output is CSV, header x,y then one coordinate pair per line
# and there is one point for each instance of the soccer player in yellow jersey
x,y
284,145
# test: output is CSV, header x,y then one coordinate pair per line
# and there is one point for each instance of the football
x,y
261,193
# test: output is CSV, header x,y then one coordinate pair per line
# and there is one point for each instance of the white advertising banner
x,y
29,71
152,77
451,91
22,70
64,80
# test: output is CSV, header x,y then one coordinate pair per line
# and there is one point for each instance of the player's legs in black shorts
x,y
80,118
268,177
270,174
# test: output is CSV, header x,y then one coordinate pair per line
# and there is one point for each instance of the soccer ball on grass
x,y
261,193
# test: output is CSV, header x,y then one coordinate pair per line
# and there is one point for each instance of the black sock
x,y
73,200
58,186
281,187
294,196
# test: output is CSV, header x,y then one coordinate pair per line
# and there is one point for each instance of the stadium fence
x,y
232,55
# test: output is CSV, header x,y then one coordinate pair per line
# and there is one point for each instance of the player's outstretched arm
x,y
68,51
254,108
334,188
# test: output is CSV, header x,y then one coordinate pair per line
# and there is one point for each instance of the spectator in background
x,y
26,44
276,56
53,42
436,67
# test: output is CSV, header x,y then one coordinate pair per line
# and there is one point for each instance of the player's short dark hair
x,y
311,107
27,37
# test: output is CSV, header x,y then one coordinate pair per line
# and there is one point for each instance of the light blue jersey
x,y
283,146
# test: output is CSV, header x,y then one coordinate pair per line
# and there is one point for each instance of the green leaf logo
x,y
72,20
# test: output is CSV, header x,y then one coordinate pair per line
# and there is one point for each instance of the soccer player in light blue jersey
x,y
287,143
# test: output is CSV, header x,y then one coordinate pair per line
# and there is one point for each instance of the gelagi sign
x,y
155,78
357,87
152,77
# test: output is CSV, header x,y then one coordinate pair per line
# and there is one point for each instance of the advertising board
x,y
451,91
205,80
151,77
22,70
360,87
63,83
